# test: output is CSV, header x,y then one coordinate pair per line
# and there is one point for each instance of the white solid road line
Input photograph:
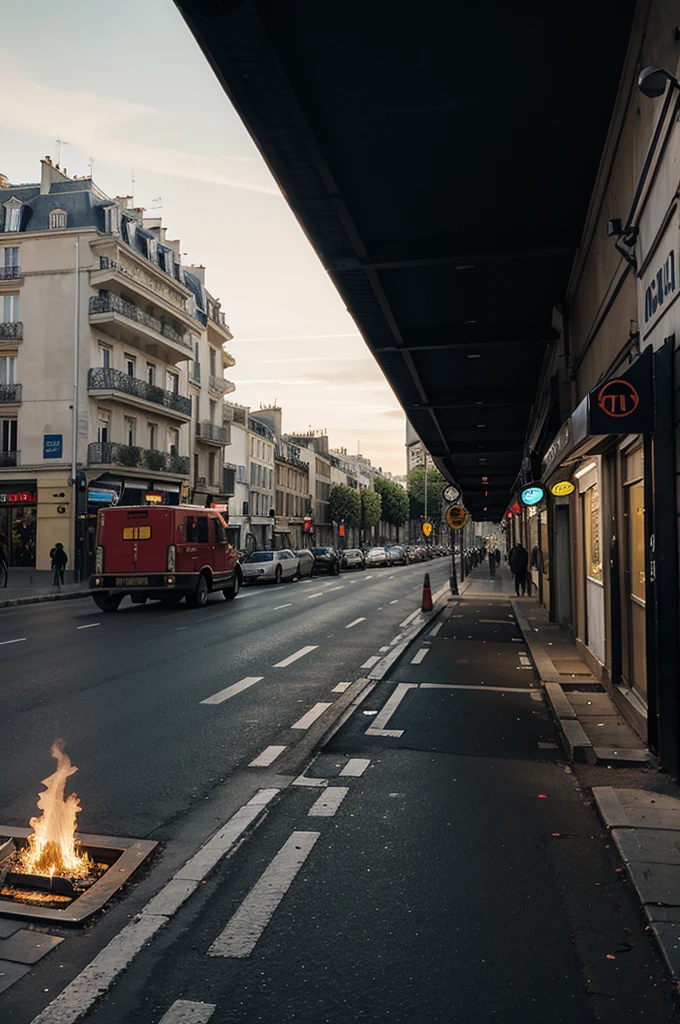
x,y
328,802
184,1012
370,662
89,625
279,606
420,655
20,640
294,657
318,594
435,629
232,690
340,688
379,723
267,757
480,688
341,587
95,979
311,716
368,577
240,936
356,622
355,767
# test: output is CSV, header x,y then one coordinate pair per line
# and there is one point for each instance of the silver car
x,y
376,556
270,566
305,562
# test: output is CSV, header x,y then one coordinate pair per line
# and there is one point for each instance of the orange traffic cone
x,y
427,594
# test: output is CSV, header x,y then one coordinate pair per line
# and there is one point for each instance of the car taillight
x,y
171,558
99,559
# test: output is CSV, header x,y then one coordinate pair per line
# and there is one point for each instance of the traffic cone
x,y
427,594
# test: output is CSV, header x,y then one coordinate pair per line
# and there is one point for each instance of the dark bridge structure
x,y
440,158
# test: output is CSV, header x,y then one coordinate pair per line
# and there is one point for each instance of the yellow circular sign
x,y
456,516
562,488
427,529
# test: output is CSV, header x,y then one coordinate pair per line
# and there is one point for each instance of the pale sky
x,y
126,85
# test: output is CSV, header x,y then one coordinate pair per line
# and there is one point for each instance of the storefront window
x,y
593,539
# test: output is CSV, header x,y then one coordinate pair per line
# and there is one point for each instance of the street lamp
x,y
652,81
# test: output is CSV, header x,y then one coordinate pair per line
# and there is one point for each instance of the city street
x,y
445,865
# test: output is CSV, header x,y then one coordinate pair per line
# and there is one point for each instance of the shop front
x,y
18,521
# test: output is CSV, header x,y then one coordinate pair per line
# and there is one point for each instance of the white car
x,y
376,556
270,566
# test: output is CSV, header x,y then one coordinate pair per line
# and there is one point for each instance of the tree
x,y
345,503
416,492
395,503
371,509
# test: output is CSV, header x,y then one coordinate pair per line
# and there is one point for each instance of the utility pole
x,y
74,451
427,539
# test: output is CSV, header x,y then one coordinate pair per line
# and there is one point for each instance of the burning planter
x,y
52,872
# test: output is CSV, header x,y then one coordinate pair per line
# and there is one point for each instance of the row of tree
x,y
389,503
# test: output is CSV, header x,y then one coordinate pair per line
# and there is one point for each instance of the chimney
x,y
198,272
50,173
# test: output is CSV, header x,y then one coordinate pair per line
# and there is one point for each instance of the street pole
x,y
427,539
454,581
74,451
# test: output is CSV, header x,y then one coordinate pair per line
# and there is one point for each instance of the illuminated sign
x,y
18,498
153,498
426,529
562,488
102,497
52,446
618,398
532,494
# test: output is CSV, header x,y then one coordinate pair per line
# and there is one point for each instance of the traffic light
x,y
308,524
81,481
341,530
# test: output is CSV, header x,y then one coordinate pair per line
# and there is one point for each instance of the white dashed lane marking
x,y
19,640
340,688
267,757
183,1011
294,657
419,656
370,662
278,607
311,716
231,691
328,803
356,622
355,767
89,625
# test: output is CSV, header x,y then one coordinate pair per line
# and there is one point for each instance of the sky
x,y
127,86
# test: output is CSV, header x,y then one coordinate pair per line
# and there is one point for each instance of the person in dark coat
x,y
519,564
59,560
4,561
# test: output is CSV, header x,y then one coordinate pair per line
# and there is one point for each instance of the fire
x,y
52,849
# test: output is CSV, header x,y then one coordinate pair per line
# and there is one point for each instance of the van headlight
x,y
170,564
99,559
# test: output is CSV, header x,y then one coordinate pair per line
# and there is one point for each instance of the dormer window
x,y
57,219
12,214
152,249
130,227
112,219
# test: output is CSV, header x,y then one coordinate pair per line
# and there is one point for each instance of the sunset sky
x,y
127,86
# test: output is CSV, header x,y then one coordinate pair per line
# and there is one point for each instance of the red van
x,y
163,553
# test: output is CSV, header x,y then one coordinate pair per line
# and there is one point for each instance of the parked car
x,y
376,556
305,562
163,553
270,566
352,558
415,553
326,560
396,555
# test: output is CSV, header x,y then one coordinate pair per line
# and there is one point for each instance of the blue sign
x,y
52,446
532,494
102,497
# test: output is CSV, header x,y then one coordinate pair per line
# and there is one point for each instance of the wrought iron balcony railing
x,y
10,273
105,378
10,392
111,453
8,459
114,304
206,431
13,331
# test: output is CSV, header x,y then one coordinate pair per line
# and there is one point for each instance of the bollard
x,y
427,594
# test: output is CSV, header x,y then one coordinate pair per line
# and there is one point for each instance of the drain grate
x,y
118,857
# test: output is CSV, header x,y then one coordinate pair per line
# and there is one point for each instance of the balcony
x,y
9,459
10,393
219,386
10,273
211,433
195,372
121,385
12,331
110,453
125,322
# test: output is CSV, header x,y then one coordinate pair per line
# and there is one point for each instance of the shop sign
x,y
532,494
154,498
456,516
624,404
101,497
660,289
18,497
558,447
562,488
52,446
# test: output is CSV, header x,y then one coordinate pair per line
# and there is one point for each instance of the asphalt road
x,y
451,870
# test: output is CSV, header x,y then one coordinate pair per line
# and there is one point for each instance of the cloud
x,y
100,127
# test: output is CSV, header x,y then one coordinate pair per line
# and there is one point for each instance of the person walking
x,y
492,562
59,561
519,564
4,561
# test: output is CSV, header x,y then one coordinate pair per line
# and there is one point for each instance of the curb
x,y
43,598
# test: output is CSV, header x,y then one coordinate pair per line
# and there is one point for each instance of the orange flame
x,y
52,848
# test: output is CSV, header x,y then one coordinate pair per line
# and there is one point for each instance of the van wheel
x,y
199,597
107,602
231,592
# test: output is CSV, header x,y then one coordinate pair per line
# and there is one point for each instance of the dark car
x,y
352,558
326,560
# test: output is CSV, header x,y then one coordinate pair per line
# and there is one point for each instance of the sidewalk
x,y
32,586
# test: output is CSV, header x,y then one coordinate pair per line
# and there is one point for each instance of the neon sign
x,y
18,498
532,494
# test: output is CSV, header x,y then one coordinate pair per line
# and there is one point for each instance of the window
x,y
153,436
150,373
8,435
152,249
241,475
173,382
57,219
130,365
593,543
167,261
102,426
213,361
219,531
10,262
12,215
211,467
130,425
9,308
112,219
196,530
213,409
173,441
8,369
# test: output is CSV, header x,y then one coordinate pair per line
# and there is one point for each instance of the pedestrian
x,y
519,564
498,556
4,561
492,563
59,560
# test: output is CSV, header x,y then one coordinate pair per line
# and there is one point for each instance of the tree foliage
x,y
416,492
345,503
395,503
371,509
